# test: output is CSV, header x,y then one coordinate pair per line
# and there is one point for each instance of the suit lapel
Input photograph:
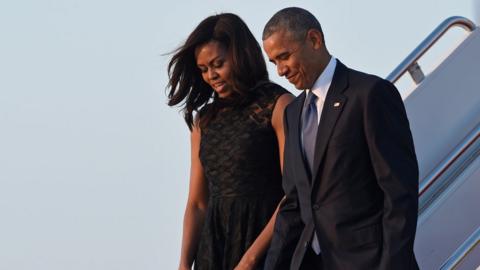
x,y
332,109
299,159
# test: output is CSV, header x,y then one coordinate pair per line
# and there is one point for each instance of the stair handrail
x,y
410,63
462,251
471,138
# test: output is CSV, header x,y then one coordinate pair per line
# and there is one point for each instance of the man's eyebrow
x,y
280,55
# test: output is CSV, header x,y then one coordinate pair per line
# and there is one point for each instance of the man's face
x,y
293,58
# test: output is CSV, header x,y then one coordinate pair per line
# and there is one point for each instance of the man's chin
x,y
300,86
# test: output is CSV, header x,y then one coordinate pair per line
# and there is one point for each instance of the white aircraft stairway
x,y
444,115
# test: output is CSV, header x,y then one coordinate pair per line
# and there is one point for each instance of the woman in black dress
x,y
236,144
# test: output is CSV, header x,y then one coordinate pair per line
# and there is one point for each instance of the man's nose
x,y
282,70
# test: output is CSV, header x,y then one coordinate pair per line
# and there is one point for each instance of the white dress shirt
x,y
322,84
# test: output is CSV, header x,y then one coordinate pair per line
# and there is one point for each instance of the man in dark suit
x,y
350,170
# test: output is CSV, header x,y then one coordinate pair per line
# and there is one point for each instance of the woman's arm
x,y
196,205
260,245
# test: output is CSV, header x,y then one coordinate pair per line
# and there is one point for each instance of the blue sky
x,y
94,164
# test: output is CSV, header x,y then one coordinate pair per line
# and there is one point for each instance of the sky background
x,y
94,165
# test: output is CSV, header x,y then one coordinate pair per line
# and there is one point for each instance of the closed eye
x,y
283,56
218,63
202,69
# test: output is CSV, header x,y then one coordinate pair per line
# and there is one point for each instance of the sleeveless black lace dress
x,y
240,158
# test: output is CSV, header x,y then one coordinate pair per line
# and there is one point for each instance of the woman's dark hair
x,y
248,66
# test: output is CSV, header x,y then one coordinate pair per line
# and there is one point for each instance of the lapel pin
x,y
336,104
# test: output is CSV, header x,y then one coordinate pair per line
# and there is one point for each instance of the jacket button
x,y
315,207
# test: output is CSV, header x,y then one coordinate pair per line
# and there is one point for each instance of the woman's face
x,y
215,67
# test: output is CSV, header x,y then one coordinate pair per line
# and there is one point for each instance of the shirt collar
x,y
321,85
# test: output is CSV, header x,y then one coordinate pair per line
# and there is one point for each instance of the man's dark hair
x,y
297,21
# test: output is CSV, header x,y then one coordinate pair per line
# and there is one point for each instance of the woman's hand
x,y
246,263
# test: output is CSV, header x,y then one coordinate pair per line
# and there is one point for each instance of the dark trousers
x,y
311,261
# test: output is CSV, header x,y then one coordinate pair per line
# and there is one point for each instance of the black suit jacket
x,y
362,196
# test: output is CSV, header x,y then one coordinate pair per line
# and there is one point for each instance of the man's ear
x,y
315,38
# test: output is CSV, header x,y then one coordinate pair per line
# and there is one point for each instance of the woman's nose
x,y
212,74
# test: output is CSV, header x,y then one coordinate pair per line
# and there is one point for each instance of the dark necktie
x,y
309,133
309,128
